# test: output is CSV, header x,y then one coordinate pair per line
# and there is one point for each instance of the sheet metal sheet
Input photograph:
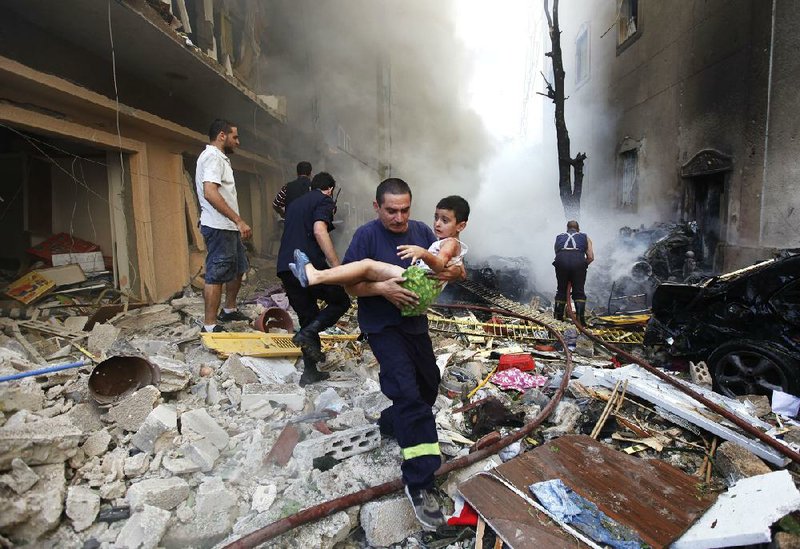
x,y
653,498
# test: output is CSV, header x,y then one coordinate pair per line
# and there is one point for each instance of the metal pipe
x,y
43,371
368,494
711,405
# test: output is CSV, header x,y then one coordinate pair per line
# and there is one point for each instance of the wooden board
x,y
653,498
193,216
64,275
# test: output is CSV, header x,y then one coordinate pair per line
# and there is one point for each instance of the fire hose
x,y
327,508
684,388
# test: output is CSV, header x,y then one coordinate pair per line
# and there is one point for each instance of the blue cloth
x,y
298,229
225,258
372,240
584,515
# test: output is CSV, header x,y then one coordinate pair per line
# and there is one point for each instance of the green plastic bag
x,y
428,289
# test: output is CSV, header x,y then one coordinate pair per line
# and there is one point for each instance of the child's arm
x,y
437,263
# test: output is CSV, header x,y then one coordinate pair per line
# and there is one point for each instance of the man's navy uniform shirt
x,y
298,229
374,241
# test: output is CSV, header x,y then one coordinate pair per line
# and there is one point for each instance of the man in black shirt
x,y
309,219
293,189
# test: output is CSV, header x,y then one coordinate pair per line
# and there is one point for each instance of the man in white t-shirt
x,y
222,228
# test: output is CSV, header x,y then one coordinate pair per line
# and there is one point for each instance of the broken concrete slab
x,y
164,493
83,505
254,394
180,465
271,370
25,518
214,513
175,375
236,370
450,486
162,421
102,338
136,465
388,521
146,318
21,478
263,498
41,442
131,412
97,443
198,422
144,529
647,386
25,394
202,453
743,515
86,417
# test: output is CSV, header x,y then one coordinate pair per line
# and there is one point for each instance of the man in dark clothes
x,y
293,189
309,219
573,254
409,375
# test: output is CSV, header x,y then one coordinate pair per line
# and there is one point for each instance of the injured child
x,y
450,218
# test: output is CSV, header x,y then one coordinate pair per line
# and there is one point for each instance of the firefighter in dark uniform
x,y
573,254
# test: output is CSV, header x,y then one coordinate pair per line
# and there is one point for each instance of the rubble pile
x,y
198,446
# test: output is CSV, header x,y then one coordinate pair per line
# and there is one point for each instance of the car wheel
x,y
748,368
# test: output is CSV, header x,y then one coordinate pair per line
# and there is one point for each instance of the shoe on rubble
x,y
426,508
312,375
217,329
230,317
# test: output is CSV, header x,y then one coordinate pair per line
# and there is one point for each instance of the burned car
x,y
744,324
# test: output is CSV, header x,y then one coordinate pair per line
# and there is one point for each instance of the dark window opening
x,y
628,24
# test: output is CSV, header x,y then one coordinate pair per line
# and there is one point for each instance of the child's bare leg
x,y
352,273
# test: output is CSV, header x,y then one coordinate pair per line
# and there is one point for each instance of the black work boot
x,y
580,311
310,373
308,340
558,310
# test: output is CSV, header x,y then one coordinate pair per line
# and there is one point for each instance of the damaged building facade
x,y
679,111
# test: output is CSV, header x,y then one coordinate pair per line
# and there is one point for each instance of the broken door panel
x,y
654,499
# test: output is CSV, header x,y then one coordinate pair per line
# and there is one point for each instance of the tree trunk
x,y
569,191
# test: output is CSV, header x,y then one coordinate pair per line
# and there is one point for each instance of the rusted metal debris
x,y
654,499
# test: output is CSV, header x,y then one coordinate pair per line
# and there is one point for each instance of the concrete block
x,y
743,515
175,375
256,406
339,445
136,465
112,490
240,373
21,478
736,463
144,529
202,453
164,493
198,422
214,511
263,498
83,505
271,370
699,374
131,412
24,519
161,420
286,395
101,338
41,442
388,521
86,417
180,465
25,394
97,443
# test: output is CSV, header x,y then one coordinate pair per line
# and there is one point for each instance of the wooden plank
x,y
65,274
192,213
653,498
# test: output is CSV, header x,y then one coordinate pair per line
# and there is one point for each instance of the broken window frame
x,y
582,55
628,195
629,23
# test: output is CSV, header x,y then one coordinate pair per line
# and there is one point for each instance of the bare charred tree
x,y
569,189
